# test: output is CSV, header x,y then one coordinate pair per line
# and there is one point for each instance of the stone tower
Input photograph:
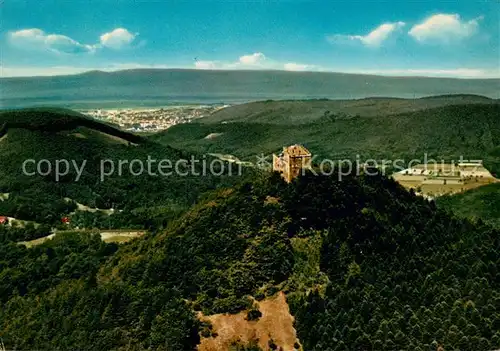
x,y
291,161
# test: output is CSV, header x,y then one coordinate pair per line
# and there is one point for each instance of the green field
x,y
481,203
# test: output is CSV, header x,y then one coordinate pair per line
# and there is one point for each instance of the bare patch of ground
x,y
79,135
85,208
36,242
231,158
434,190
213,135
108,236
110,138
276,323
117,236
271,200
115,139
11,221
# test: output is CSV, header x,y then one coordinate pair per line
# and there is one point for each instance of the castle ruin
x,y
291,161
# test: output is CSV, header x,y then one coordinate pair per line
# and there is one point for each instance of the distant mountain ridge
x,y
160,87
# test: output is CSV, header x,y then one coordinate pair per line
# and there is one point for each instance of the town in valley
x,y
153,119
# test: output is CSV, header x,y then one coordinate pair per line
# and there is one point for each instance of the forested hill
x,y
365,265
306,111
54,120
87,150
477,204
447,132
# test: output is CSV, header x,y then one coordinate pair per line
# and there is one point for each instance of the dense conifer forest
x,y
364,264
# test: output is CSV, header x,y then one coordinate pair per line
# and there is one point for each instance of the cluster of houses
x,y
427,179
451,173
439,179
154,119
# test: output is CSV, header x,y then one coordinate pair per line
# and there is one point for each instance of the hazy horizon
x,y
388,74
163,87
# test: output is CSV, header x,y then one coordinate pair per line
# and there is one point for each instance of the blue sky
x,y
457,38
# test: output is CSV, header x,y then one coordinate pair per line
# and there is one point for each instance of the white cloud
x,y
19,71
431,72
292,66
373,39
37,39
254,59
205,64
32,36
117,39
444,28
30,71
132,65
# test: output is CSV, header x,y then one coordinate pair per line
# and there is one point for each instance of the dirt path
x,y
36,242
120,236
85,208
116,236
231,158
